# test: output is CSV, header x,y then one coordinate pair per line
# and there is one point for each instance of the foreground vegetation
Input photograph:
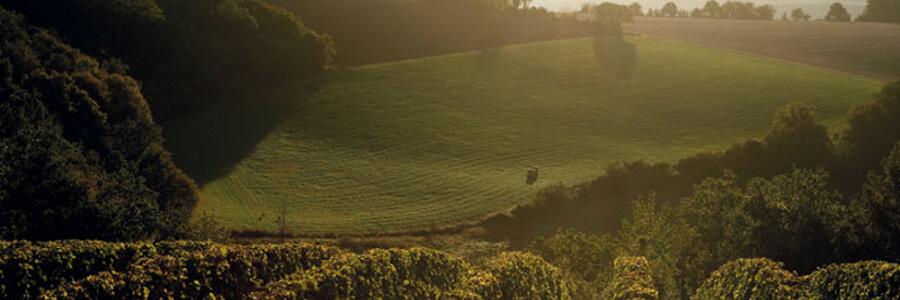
x,y
99,270
194,270
438,141
369,32
79,145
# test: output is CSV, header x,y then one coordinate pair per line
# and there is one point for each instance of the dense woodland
x,y
378,31
79,145
188,54
82,88
881,11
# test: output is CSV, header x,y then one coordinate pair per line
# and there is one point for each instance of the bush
x,y
633,279
421,274
862,280
28,268
526,276
586,256
760,278
878,210
390,274
231,272
870,134
756,278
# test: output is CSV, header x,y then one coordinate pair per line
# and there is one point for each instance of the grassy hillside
x,y
443,140
871,49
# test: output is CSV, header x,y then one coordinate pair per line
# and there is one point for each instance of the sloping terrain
x,y
416,144
871,49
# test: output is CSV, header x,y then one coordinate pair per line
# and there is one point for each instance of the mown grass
x,y
870,49
416,144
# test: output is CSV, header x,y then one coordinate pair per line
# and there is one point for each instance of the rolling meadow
x,y
420,144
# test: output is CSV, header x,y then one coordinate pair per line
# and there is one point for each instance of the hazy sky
x,y
816,8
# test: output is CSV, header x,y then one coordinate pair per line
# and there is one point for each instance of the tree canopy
x,y
80,154
188,54
837,13
881,11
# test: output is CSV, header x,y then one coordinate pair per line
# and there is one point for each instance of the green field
x,y
415,144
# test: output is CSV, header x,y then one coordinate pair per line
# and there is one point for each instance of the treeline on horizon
x,y
378,31
876,11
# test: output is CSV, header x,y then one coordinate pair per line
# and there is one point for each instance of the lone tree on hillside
x,y
837,13
615,56
609,18
799,15
636,9
670,10
712,9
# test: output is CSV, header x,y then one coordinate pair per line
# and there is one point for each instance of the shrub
x,y
587,256
756,278
762,278
861,280
526,276
633,279
878,209
28,268
421,274
231,272
390,274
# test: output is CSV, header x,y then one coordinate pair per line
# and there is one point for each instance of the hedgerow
x,y
194,270
633,279
378,274
862,280
754,278
526,276
229,272
26,269
762,278
422,274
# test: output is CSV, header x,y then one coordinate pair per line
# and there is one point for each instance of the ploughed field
x,y
871,49
419,144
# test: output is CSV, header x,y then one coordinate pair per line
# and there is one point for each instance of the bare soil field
x,y
871,49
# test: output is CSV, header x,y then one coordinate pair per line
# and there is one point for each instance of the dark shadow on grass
x,y
616,56
487,57
209,144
